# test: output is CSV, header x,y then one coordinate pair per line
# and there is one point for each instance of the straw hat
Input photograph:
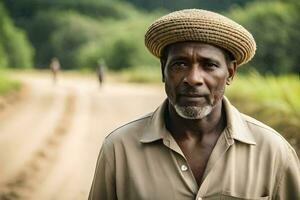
x,y
203,26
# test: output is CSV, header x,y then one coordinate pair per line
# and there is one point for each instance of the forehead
x,y
191,49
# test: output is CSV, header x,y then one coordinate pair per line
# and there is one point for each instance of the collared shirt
x,y
141,160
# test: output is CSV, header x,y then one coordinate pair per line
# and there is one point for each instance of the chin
x,y
193,112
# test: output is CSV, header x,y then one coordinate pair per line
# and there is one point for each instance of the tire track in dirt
x,y
64,178
61,167
23,129
36,169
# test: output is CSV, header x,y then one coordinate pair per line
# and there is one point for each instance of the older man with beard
x,y
196,145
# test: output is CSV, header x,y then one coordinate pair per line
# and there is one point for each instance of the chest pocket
x,y
228,197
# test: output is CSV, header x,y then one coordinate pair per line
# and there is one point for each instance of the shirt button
x,y
184,168
199,198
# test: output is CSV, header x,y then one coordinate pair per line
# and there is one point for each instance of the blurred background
x,y
73,70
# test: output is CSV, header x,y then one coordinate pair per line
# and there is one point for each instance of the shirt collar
x,y
236,128
155,128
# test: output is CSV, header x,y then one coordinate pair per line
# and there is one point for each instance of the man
x,y
196,145
100,71
55,67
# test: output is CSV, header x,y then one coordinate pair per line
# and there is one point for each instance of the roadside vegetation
x,y
8,84
274,100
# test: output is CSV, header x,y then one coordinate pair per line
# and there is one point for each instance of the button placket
x,y
185,173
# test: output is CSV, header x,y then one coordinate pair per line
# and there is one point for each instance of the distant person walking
x,y
55,67
100,71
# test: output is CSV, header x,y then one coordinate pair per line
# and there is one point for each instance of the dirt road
x,y
50,140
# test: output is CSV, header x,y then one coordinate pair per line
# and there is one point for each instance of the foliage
x,y
276,30
124,45
180,4
66,44
270,99
15,50
81,32
120,44
3,57
40,29
52,34
7,84
26,10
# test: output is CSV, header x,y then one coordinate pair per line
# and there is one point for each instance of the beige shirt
x,y
141,160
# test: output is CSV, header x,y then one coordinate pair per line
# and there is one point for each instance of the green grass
x,y
7,84
272,100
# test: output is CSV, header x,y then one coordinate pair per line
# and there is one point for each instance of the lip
x,y
192,98
192,95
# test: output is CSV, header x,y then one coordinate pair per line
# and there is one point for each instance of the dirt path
x,y
49,141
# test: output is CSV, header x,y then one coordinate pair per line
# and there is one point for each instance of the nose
x,y
194,76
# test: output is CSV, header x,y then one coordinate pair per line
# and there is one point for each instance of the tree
x,y
217,5
275,28
15,49
72,33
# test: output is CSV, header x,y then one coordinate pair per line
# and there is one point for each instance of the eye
x,y
211,65
179,65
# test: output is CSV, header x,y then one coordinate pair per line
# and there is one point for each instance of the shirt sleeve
x,y
103,186
289,184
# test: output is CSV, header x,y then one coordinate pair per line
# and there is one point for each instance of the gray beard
x,y
193,112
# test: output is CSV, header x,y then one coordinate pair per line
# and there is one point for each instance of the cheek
x,y
170,88
218,90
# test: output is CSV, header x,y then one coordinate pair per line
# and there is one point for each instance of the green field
x,y
7,84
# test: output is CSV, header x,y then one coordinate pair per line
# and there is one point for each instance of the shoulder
x,y
280,156
272,147
128,133
267,138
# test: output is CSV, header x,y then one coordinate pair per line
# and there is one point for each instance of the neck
x,y
182,128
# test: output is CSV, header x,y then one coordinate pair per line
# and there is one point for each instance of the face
x,y
195,75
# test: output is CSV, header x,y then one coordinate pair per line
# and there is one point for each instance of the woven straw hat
x,y
203,26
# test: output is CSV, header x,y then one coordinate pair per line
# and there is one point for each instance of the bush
x,y
7,85
66,45
124,45
3,57
272,100
121,54
15,50
79,40
121,44
276,30
40,29
25,10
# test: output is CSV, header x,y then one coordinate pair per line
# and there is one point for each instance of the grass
x,y
8,84
272,100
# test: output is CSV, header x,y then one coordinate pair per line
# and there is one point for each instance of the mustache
x,y
186,90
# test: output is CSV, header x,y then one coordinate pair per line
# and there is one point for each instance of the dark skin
x,y
195,74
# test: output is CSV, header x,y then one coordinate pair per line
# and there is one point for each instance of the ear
x,y
162,67
231,71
